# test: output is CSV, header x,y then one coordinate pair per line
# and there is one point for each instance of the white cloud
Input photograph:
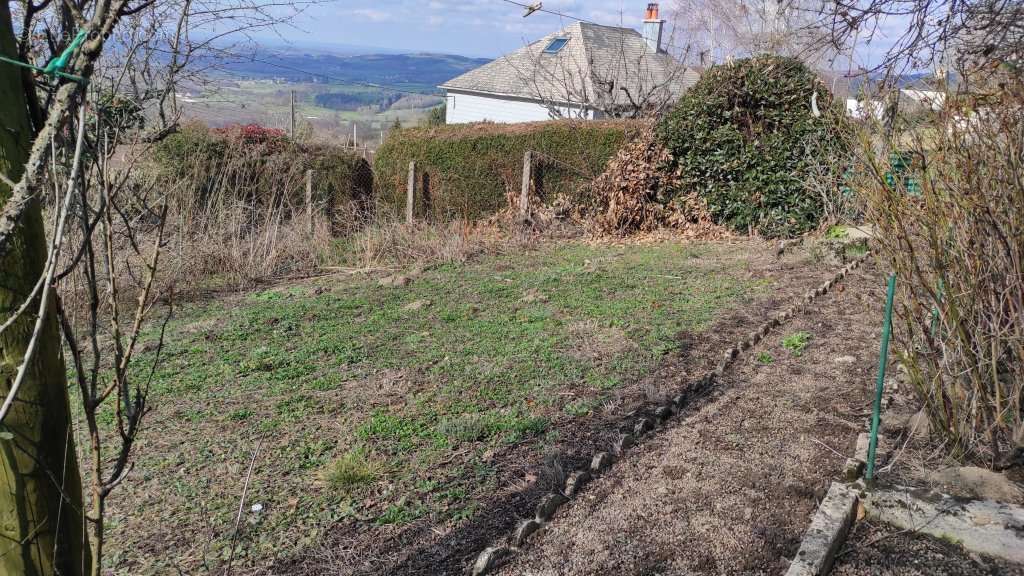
x,y
372,15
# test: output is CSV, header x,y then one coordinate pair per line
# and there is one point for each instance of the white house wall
x,y
463,108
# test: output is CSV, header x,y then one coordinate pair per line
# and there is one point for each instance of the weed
x,y
401,513
796,343
349,471
240,415
581,407
765,358
837,233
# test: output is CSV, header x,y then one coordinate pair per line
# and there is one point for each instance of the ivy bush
x,y
473,168
212,169
745,138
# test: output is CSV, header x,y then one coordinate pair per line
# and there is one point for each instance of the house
x,y
585,71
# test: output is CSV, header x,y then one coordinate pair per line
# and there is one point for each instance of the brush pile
x,y
639,192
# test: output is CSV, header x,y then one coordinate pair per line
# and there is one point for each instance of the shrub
x,y
744,137
473,169
957,245
260,167
237,210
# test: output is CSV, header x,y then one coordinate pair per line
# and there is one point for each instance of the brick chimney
x,y
653,28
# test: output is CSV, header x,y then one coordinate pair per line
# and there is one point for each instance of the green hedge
x,y
472,168
744,137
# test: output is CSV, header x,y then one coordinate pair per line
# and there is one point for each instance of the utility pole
x,y
37,452
291,124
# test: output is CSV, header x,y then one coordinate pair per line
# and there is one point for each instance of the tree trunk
x,y
41,532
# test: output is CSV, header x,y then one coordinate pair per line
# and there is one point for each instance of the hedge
x,y
210,169
472,169
745,138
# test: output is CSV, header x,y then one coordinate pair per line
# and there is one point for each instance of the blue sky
x,y
485,28
470,27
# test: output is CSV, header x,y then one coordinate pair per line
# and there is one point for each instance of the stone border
x,y
982,526
601,462
827,533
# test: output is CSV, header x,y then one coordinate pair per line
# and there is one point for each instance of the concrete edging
x,y
602,461
827,533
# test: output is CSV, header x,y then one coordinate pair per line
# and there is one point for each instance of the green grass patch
x,y
796,343
512,349
349,471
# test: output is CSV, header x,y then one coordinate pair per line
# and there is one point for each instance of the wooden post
x,y
309,201
291,122
410,193
524,195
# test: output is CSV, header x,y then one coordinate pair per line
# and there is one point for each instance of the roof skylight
x,y
556,45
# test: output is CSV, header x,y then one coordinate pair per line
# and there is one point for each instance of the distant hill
x,y
416,72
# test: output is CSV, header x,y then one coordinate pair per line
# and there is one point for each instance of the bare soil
x,y
732,488
881,550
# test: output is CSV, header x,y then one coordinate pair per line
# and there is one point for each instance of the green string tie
x,y
56,66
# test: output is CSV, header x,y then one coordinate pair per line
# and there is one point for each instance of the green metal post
x,y
876,414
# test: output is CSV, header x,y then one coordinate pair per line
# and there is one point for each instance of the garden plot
x,y
397,425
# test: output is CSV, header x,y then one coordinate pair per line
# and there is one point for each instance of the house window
x,y
556,45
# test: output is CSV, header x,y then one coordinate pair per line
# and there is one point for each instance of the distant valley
x,y
337,95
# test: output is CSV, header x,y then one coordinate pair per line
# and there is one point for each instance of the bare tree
x,y
942,36
722,29
87,272
617,75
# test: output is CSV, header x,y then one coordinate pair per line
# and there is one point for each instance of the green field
x,y
267,102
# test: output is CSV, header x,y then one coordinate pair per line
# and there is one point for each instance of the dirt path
x,y
732,488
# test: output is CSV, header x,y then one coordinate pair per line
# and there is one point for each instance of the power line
x,y
579,19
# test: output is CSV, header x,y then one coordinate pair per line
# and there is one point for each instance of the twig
x,y
241,506
816,441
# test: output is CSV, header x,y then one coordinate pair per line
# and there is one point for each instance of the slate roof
x,y
592,68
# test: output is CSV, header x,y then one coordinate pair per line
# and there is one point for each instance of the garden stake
x,y
876,414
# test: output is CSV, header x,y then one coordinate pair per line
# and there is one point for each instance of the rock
x,y
625,442
548,505
524,531
576,481
417,305
980,483
488,559
863,443
600,462
853,469
919,425
680,400
642,427
396,281
845,360
663,413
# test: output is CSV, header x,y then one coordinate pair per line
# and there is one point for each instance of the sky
x,y
479,28
486,28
